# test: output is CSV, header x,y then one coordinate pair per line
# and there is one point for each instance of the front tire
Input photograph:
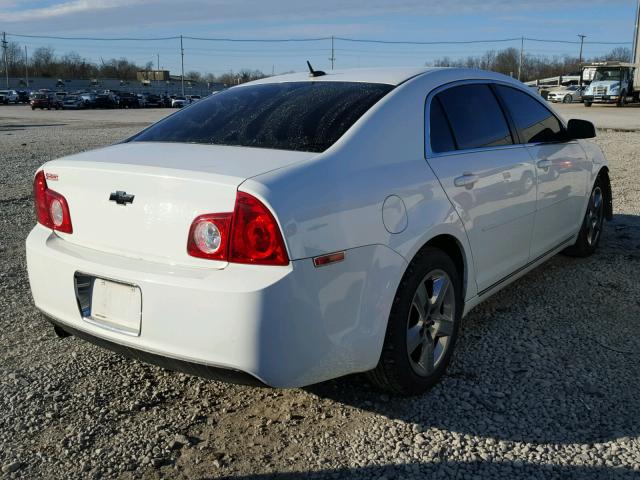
x,y
622,101
591,230
587,104
423,325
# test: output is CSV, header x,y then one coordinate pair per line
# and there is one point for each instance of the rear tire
x,y
591,229
567,99
423,325
587,104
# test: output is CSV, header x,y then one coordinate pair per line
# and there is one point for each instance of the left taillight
x,y
52,209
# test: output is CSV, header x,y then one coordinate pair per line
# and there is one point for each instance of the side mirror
x,y
577,129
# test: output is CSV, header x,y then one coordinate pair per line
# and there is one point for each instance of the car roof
x,y
388,75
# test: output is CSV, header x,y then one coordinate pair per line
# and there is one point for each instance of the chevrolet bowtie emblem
x,y
121,198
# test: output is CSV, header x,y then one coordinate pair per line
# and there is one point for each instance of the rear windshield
x,y
304,116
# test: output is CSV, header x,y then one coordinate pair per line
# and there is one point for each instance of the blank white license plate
x,y
116,306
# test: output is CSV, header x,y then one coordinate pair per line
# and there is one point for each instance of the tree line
x,y
45,62
534,67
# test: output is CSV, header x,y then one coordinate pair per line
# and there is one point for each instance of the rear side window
x,y
475,117
439,130
534,121
305,116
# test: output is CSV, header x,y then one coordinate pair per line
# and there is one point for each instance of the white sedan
x,y
299,228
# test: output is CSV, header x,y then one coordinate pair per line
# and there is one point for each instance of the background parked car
x,y
23,96
45,100
166,101
8,96
73,102
572,93
104,101
128,100
193,98
178,102
151,100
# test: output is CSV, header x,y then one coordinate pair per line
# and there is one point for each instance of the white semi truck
x,y
611,82
614,82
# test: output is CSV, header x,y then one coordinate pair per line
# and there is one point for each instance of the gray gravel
x,y
544,382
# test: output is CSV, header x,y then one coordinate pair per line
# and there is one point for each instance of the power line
x,y
411,42
98,39
258,40
311,39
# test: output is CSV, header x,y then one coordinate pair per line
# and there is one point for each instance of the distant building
x,y
153,75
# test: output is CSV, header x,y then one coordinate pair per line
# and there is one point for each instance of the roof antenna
x,y
314,73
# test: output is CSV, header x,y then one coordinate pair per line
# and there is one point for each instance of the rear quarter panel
x,y
334,201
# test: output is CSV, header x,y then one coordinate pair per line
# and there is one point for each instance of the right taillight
x,y
249,235
52,209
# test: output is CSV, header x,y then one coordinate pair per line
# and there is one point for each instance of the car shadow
x,y
526,370
454,470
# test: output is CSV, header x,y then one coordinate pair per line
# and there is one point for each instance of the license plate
x,y
116,306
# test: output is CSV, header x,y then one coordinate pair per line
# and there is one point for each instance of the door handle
x,y
544,164
466,180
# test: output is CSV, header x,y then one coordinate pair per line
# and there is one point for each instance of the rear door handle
x,y
466,180
544,164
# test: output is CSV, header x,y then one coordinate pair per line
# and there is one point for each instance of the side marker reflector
x,y
323,260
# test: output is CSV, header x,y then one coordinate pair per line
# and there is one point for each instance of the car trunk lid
x,y
171,184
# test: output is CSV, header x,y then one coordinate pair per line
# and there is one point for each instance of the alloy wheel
x,y
595,215
430,324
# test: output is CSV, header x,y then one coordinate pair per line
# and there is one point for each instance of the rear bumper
x,y
191,368
283,326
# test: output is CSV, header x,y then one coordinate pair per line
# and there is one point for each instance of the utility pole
x,y
636,42
521,58
6,62
182,55
158,60
26,67
333,56
581,44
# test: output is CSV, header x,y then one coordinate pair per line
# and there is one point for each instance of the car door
x,y
562,170
488,177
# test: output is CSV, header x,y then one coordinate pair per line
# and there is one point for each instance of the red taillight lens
x,y
52,209
249,235
209,236
255,235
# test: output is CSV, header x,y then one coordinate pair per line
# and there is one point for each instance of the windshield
x,y
607,75
304,116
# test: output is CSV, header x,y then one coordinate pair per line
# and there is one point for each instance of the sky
x,y
400,20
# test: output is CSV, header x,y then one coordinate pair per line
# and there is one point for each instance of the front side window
x,y
475,117
535,122
303,116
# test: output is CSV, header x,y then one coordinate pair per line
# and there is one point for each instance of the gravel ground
x,y
544,383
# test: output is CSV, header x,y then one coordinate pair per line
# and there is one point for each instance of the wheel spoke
x,y
440,287
421,301
414,338
426,356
